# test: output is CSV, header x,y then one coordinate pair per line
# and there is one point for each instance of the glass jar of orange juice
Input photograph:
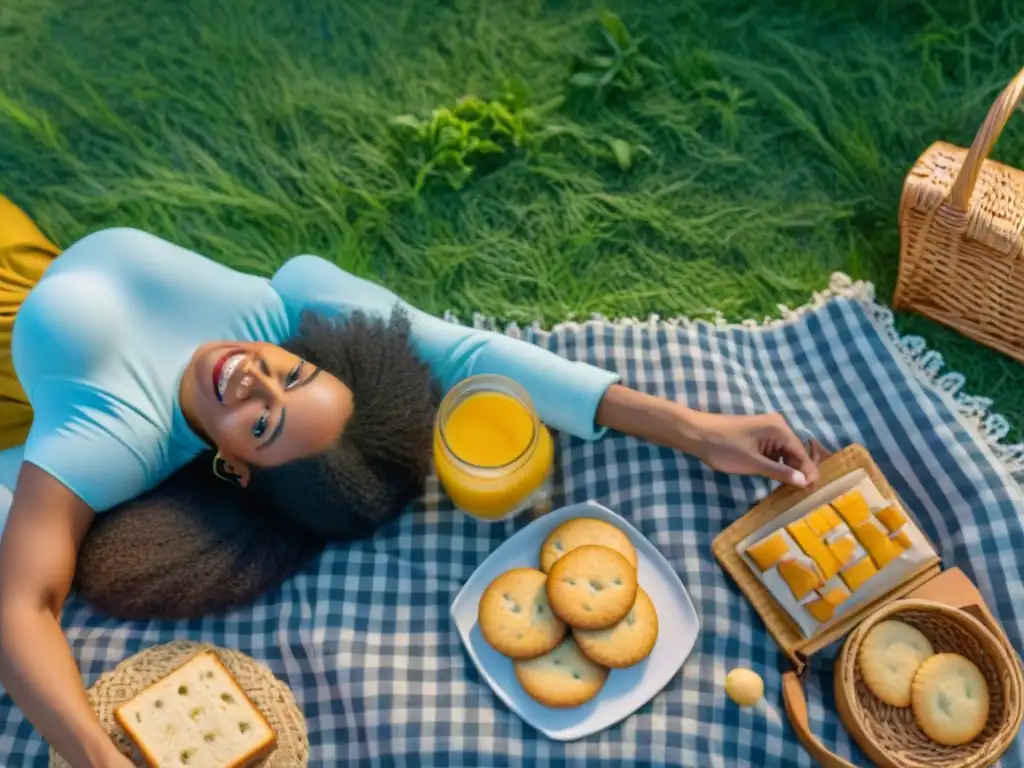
x,y
492,454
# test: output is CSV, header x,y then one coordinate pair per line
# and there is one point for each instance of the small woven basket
x,y
961,243
270,695
890,735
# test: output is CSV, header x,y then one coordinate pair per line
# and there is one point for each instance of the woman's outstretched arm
x,y
37,562
565,393
761,444
572,397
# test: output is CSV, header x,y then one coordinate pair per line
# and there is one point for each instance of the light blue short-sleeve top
x,y
101,343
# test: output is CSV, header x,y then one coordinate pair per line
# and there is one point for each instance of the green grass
x,y
767,144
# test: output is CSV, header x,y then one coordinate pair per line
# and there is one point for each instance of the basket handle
x,y
795,700
986,138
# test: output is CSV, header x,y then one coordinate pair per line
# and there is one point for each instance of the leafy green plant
x,y
727,103
598,145
617,64
625,154
455,144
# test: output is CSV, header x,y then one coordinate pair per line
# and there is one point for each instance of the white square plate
x,y
626,690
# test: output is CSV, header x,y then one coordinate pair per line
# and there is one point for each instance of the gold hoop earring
x,y
223,470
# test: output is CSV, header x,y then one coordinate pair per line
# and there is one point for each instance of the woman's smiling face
x,y
261,405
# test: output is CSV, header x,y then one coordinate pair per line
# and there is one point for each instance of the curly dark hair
x,y
196,545
383,457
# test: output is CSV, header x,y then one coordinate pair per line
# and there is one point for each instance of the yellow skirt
x,y
25,254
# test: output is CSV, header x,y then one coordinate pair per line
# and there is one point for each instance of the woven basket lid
x,y
270,695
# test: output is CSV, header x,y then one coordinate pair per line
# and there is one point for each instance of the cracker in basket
x,y
950,699
838,548
889,657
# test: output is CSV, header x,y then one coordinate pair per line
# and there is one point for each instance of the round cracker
x,y
515,616
580,532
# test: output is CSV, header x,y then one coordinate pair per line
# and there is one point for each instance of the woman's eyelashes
x,y
295,375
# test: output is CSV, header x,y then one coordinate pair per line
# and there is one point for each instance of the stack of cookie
x,y
948,692
582,613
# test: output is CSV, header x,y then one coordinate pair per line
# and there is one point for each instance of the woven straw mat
x,y
269,694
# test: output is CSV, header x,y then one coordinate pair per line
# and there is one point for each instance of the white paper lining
x,y
888,578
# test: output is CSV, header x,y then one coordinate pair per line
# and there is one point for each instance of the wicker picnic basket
x,y
961,243
944,605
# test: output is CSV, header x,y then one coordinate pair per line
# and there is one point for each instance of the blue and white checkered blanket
x,y
365,641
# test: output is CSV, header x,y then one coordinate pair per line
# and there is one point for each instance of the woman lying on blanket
x,y
138,370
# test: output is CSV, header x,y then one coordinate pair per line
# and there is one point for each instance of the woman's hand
x,y
744,445
748,445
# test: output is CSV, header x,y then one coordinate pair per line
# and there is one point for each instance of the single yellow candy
x,y
744,686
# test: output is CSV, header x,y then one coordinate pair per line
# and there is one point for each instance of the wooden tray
x,y
779,623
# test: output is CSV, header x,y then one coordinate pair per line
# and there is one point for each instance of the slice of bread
x,y
197,717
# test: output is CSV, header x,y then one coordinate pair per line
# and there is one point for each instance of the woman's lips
x,y
223,370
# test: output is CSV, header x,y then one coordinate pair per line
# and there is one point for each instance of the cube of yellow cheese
x,y
858,573
815,548
820,610
835,596
902,538
767,552
822,520
853,508
892,518
802,579
882,549
843,548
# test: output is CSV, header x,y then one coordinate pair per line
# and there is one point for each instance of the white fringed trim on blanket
x,y
927,364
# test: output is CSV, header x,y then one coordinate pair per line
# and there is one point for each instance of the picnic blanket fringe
x,y
927,365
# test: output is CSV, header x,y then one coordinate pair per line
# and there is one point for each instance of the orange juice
x,y
492,454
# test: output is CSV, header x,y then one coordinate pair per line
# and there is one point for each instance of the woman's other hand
x,y
763,444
